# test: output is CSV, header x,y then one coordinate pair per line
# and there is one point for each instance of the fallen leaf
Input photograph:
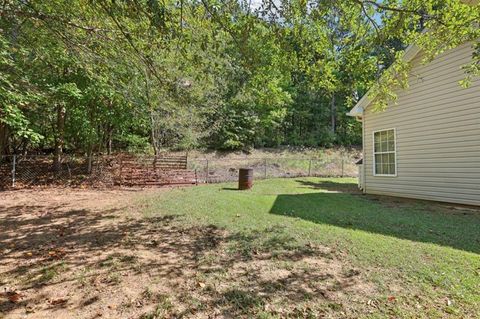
x,y
57,254
372,303
448,302
201,284
391,298
15,297
58,301
29,309
12,296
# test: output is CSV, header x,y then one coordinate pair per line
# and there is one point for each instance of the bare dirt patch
x,y
86,254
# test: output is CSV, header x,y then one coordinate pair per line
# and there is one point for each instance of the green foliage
x,y
134,143
86,75
13,96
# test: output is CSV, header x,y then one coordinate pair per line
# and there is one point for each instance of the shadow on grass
x,y
46,246
330,186
415,220
230,189
56,246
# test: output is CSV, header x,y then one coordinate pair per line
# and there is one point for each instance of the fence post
x,y
120,170
68,167
265,168
206,173
310,167
343,161
14,163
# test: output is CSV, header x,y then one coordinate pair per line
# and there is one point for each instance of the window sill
x,y
384,175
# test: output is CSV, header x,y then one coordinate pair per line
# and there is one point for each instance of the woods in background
x,y
144,75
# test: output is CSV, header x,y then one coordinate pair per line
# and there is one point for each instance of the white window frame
x,y
394,151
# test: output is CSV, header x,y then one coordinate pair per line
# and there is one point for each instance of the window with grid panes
x,y
384,153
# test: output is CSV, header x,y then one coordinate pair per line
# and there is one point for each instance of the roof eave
x,y
357,111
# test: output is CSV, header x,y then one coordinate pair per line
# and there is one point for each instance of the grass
x,y
46,273
161,310
420,259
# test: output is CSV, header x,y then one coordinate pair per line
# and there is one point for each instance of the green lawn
x,y
322,248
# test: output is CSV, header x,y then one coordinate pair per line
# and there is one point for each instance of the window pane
x,y
384,146
390,135
376,140
385,169
378,168
390,141
391,145
385,158
384,141
391,169
390,158
380,139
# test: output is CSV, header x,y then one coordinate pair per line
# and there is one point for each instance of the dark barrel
x,y
245,178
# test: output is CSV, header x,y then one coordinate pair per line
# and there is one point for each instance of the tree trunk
x,y
109,140
152,133
153,138
4,143
333,114
59,137
110,128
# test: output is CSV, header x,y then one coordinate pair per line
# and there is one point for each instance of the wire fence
x,y
223,170
18,171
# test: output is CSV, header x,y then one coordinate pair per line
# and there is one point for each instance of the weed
x,y
242,300
163,308
47,273
147,293
114,278
82,276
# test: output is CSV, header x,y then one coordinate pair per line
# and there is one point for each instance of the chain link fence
x,y
223,170
27,170
19,171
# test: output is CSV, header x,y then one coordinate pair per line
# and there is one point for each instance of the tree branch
x,y
387,8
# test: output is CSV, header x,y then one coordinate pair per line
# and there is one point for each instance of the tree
x,y
98,76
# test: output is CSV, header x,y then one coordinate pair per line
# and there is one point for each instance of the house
x,y
427,144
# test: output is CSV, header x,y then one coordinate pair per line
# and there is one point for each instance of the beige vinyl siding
x,y
437,125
